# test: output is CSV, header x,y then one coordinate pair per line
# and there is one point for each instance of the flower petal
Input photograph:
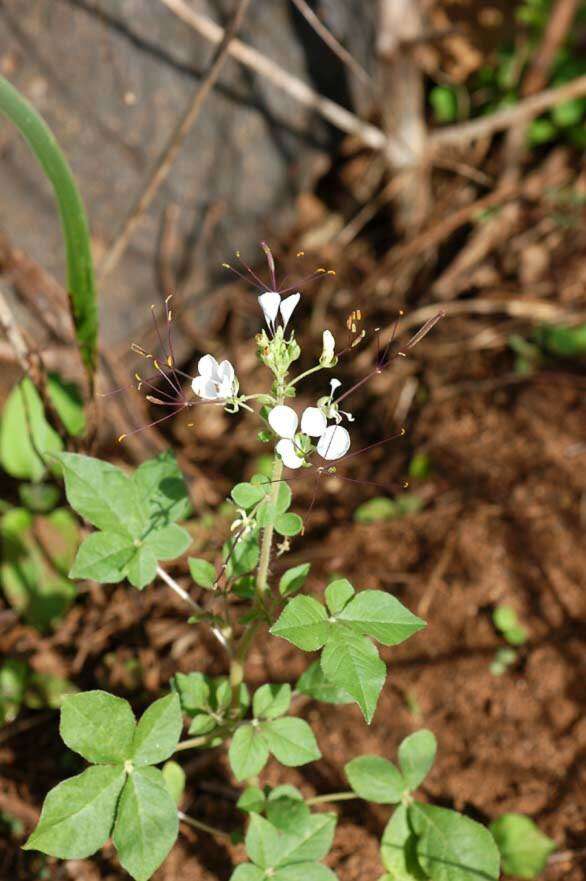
x,y
205,388
313,422
283,420
208,366
269,303
287,307
328,348
334,443
225,372
334,384
286,450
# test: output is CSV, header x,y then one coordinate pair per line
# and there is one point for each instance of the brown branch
x,y
560,20
503,119
174,144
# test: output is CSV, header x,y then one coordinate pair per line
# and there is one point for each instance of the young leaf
x,y
246,495
398,851
247,872
252,800
202,572
375,779
169,542
452,847
314,683
311,841
248,752
351,662
286,809
103,494
162,489
158,732
382,616
271,701
338,593
288,524
98,726
24,433
291,741
263,842
103,557
284,497
78,814
304,872
524,848
174,777
293,579
142,569
304,622
193,690
416,757
146,823
68,402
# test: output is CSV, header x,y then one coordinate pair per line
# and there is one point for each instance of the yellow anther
x,y
169,361
121,438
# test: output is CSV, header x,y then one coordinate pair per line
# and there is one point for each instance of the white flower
x,y
333,441
215,382
330,407
328,355
271,304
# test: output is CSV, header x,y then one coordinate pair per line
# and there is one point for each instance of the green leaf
x,y
162,489
311,841
352,663
291,741
174,777
416,757
244,557
252,800
80,276
338,593
263,842
524,849
78,814
98,726
158,732
103,494
202,572
314,683
444,101
382,616
103,557
376,510
286,809
142,569
246,495
193,690
284,497
68,402
248,752
293,579
288,524
271,701
304,872
451,847
247,872
24,433
38,497
304,622
398,849
375,779
146,823
14,677
169,542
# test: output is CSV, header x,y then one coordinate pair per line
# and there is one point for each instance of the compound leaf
x,y
380,615
98,726
248,752
452,847
351,662
416,757
103,557
304,622
375,779
291,741
158,731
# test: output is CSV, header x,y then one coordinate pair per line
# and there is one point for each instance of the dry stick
x,y
504,119
195,607
329,39
174,145
335,114
534,310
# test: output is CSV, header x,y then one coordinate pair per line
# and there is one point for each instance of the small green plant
x,y
137,517
21,687
506,621
524,849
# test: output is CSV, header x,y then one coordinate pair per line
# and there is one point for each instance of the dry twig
x,y
175,143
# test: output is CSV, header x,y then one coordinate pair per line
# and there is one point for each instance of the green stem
x,y
202,739
307,373
332,796
80,273
203,827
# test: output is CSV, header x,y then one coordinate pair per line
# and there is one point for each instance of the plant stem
x,y
170,582
332,796
200,740
307,373
197,824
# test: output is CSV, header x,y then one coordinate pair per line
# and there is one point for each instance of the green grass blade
x,y
80,272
